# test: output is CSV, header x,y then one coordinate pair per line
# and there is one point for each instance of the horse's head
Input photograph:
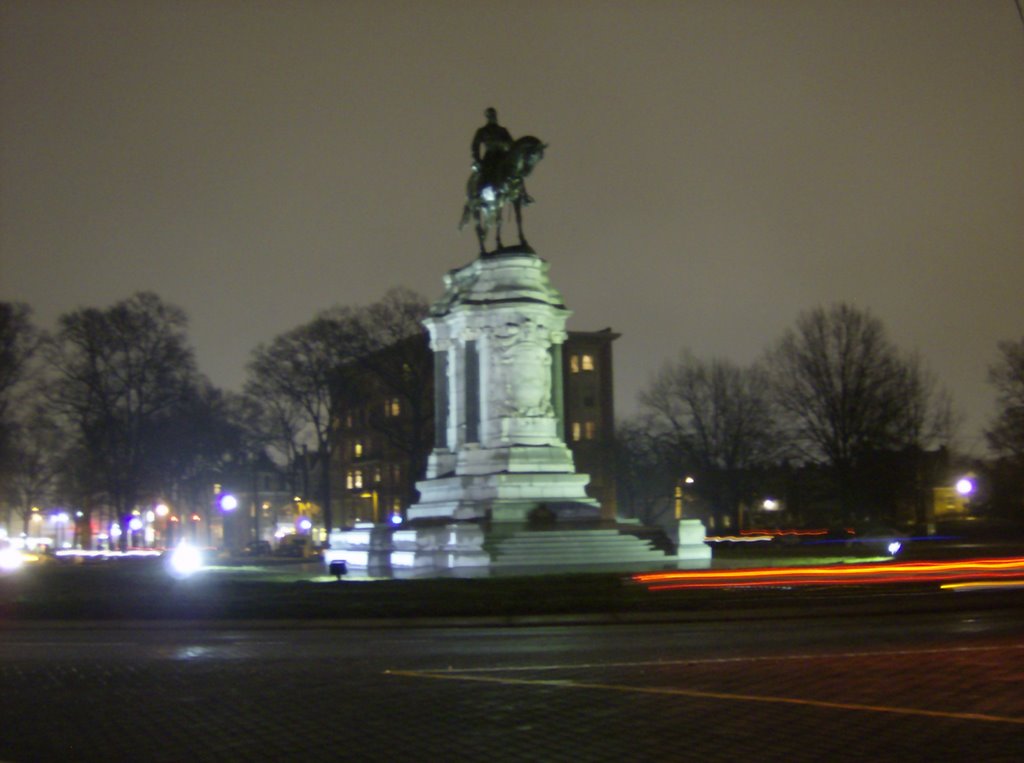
x,y
525,153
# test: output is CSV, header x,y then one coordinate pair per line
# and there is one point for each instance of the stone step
x,y
503,553
580,547
527,560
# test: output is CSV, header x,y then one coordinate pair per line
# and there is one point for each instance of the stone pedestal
x,y
501,491
497,337
691,546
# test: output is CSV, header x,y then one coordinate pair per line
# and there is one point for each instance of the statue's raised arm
x,y
500,167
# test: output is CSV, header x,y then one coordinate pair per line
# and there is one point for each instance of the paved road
x,y
944,686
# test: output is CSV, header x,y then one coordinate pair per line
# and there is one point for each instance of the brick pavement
x,y
790,707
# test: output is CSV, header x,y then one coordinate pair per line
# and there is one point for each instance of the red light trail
x,y
997,571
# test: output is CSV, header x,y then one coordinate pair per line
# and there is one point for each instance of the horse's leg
x,y
497,229
481,232
518,205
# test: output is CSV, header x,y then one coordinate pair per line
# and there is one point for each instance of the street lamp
x,y
34,528
228,504
965,489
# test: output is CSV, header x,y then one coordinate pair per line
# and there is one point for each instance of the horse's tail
x,y
466,215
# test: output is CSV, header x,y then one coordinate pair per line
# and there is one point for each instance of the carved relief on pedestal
x,y
522,366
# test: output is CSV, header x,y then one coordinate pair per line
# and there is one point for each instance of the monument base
x,y
536,546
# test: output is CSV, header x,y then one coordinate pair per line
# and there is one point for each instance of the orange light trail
x,y
1006,569
799,533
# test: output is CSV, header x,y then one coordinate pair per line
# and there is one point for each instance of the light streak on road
x,y
1003,571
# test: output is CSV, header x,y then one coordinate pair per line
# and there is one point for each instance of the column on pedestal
x,y
557,388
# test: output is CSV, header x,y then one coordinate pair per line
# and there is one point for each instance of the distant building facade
x,y
385,434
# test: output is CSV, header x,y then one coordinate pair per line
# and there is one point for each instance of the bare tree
x,y
1005,434
195,446
394,357
36,446
718,417
306,380
295,378
119,374
846,392
647,470
18,342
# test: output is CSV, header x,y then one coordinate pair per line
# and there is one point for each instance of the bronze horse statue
x,y
498,183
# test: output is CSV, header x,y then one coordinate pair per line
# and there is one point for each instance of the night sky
x,y
713,170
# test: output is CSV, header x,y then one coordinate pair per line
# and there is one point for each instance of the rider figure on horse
x,y
500,166
495,141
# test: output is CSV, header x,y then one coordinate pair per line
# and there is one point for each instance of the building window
x,y
392,407
348,421
357,479
587,362
357,449
349,482
590,430
574,364
377,475
577,431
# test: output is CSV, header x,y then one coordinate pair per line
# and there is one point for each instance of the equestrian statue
x,y
500,168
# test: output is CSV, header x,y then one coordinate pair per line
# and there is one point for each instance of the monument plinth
x,y
497,335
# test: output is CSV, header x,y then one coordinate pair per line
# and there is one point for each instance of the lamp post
x,y
135,524
965,489
228,504
161,510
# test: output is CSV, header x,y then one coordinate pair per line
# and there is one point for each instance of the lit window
x,y
392,407
576,431
590,429
349,482
357,449
574,364
376,475
348,421
587,362
357,478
